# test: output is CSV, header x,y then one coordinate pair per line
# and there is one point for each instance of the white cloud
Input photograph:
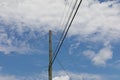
x,y
104,55
61,75
6,45
76,76
79,77
12,41
89,53
100,17
101,57
86,76
41,76
7,77
73,46
8,50
95,21
31,12
61,78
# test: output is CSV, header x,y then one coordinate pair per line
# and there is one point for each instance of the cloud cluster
x,y
98,21
11,40
95,21
24,20
33,13
101,57
61,75
61,78
7,77
93,17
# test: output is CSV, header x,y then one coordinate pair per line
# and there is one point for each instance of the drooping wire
x,y
65,26
63,68
60,63
62,24
67,13
65,34
64,31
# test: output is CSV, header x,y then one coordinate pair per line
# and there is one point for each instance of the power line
x,y
61,41
63,68
64,28
65,15
63,23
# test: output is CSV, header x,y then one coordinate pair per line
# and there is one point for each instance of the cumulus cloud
x,y
8,50
31,13
83,76
86,76
61,78
17,16
41,76
2,77
13,41
74,76
95,21
93,16
101,57
61,75
98,21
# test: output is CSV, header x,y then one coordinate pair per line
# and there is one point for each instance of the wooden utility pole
x,y
50,56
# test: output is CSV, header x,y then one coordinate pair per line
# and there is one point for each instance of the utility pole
x,y
50,56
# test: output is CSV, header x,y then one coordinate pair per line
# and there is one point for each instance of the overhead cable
x,y
65,34
54,53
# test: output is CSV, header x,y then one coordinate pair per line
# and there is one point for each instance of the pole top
x,y
50,30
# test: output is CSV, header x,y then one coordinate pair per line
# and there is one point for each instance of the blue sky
x,y
90,51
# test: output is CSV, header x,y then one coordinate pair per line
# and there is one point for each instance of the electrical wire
x,y
60,25
63,24
61,41
63,68
63,32
54,53
67,13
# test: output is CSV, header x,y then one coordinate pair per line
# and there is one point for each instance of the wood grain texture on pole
x,y
50,56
